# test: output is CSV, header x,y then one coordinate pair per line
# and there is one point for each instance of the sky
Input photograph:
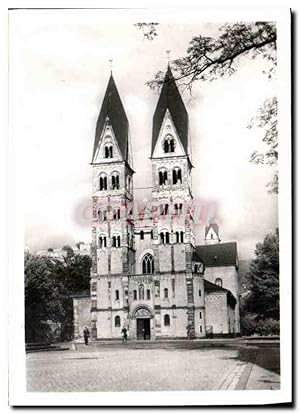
x,y
59,68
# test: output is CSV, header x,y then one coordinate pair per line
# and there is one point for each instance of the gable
x,y
107,138
168,131
170,99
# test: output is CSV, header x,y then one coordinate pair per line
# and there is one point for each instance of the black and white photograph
x,y
151,207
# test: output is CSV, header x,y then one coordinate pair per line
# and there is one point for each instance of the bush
x,y
268,326
251,325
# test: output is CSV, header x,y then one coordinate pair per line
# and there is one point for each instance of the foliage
x,y
148,29
43,293
49,284
267,119
260,308
69,250
209,58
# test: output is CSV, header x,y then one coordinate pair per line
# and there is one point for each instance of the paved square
x,y
97,368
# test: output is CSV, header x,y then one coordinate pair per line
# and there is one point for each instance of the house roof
x,y
170,99
219,254
112,108
211,288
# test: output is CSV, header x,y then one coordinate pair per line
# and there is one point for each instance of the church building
x,y
147,272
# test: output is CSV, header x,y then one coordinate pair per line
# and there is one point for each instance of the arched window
x,y
178,208
102,241
163,177
135,295
164,208
115,182
108,151
181,237
142,235
117,295
176,175
167,320
103,182
101,215
148,294
148,264
219,282
116,241
141,292
117,322
169,144
166,293
117,214
165,237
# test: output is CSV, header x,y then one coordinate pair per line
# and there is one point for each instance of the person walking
x,y
86,334
124,333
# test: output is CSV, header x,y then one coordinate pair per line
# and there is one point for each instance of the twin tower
x,y
146,273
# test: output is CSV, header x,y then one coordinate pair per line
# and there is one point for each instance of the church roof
x,y
170,99
212,288
220,254
214,226
112,108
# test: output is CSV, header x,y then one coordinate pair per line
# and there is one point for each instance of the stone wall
x,y
216,313
229,276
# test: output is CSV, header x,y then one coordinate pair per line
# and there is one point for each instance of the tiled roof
x,y
112,108
219,254
170,99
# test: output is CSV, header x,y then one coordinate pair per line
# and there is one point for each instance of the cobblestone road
x,y
123,369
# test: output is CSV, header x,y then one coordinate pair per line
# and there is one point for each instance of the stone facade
x,y
146,274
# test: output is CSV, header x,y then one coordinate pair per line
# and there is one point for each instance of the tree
x,y
262,304
267,120
209,58
148,29
43,297
69,250
49,286
73,273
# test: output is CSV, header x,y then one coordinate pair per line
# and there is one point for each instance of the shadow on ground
x,y
267,358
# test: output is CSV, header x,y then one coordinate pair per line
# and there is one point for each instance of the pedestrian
x,y
86,334
124,333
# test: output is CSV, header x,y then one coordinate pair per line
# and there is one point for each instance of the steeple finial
x,y
168,56
111,65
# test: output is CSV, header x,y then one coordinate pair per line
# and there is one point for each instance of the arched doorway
x,y
143,330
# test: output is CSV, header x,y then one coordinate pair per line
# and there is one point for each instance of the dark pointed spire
x,y
112,110
170,99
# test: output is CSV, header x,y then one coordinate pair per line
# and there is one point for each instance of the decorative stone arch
x,y
142,311
163,175
115,179
166,238
102,181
